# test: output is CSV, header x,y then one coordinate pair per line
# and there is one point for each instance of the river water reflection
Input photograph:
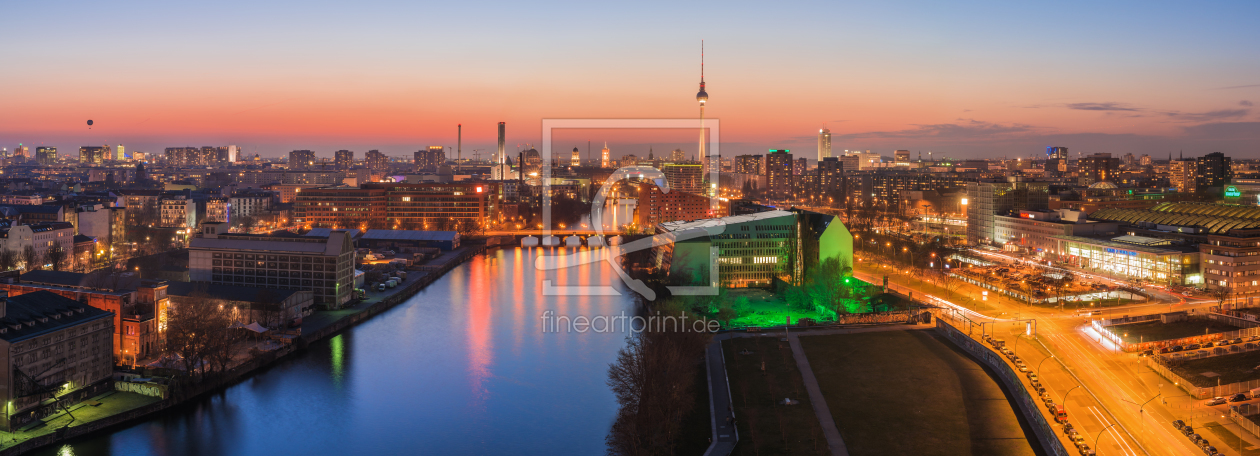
x,y
461,368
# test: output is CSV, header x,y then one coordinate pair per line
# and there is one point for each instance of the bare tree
x,y
8,259
30,259
1221,293
57,256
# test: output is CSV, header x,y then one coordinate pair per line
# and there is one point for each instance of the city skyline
x,y
940,79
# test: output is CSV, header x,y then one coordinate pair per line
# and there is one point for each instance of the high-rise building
x,y
603,154
1144,160
1096,168
93,155
901,156
799,166
429,159
500,156
988,199
1213,170
46,155
748,164
21,153
830,176
119,155
824,144
1181,175
234,154
343,159
779,175
677,156
1056,161
375,161
301,159
684,177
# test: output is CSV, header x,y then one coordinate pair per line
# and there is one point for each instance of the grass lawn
x,y
765,426
765,308
1225,437
910,392
1154,330
1231,368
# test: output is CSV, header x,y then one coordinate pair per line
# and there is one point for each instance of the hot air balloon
x,y
89,124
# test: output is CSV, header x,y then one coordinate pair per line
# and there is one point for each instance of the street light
x,y
1099,436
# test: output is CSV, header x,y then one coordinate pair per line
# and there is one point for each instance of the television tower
x,y
702,97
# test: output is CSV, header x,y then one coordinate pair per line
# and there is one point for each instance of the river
x,y
463,367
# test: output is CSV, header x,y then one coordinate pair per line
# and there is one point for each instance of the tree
x,y
30,259
199,332
57,256
8,259
653,380
1221,293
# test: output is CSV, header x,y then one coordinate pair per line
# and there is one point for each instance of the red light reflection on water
x,y
480,351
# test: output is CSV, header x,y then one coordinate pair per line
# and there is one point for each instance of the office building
x,y
986,200
677,156
177,212
343,160
655,206
119,153
752,249
38,326
429,160
901,157
1056,161
1182,175
46,156
92,155
21,153
1033,232
325,266
684,177
824,144
340,207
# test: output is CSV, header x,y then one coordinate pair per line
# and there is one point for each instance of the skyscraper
x,y
118,153
603,161
21,153
91,155
500,156
824,144
234,153
677,156
343,159
1097,168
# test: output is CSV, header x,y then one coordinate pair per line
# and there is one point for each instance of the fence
x,y
1161,367
1031,408
1239,413
1104,328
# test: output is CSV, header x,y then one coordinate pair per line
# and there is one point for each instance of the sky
x,y
961,79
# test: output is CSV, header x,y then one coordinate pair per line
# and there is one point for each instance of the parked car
x,y
1238,397
1209,450
380,287
1208,345
1193,347
1176,348
1032,376
1178,424
1216,401
1148,353
1195,437
1023,368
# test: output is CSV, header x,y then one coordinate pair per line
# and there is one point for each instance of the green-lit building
x,y
752,249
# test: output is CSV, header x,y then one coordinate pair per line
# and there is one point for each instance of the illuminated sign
x,y
479,189
1232,192
1121,252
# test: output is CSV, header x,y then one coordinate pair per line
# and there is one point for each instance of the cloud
x,y
965,129
1244,103
1224,131
1238,87
1220,114
1108,106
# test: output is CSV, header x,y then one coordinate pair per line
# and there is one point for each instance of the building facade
x,y
325,266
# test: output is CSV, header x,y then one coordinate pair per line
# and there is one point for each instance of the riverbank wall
x,y
182,393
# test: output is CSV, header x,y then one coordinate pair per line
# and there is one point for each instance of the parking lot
x,y
1032,281
1148,331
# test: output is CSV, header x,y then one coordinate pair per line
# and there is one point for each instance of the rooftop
x,y
1161,250
228,292
410,235
717,222
41,312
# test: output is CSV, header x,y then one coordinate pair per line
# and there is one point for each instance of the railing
x,y
1194,391
1104,327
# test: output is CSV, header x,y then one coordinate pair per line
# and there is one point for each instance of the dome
x,y
1102,185
702,95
